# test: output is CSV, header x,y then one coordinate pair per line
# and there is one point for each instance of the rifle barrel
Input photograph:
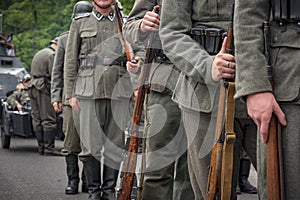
x,y
131,159
127,46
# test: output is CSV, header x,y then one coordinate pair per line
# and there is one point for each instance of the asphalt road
x,y
25,175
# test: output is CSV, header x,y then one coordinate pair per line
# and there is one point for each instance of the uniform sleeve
x,y
71,59
251,71
57,73
50,63
180,48
131,30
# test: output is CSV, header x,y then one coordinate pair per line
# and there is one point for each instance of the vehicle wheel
x,y
5,139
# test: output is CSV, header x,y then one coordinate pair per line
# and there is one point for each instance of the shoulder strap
x,y
82,16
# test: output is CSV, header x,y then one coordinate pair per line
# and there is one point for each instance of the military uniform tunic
x,y
166,174
72,140
100,82
196,92
57,78
43,114
252,78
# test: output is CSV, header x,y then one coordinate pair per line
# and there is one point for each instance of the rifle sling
x,y
227,157
220,114
213,187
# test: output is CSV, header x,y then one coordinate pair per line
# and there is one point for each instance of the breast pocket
x,y
89,40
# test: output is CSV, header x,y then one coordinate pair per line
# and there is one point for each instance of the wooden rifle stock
x,y
213,189
131,159
126,45
273,145
220,172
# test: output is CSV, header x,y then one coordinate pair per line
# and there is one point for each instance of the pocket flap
x,y
86,72
87,34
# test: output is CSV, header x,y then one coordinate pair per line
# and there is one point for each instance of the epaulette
x,y
82,15
64,33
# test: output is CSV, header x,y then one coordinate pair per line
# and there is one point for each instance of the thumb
x,y
280,115
155,8
224,46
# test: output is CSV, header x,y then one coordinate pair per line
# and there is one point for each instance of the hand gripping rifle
x,y
121,20
143,88
273,145
221,164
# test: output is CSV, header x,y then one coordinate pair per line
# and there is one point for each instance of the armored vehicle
x,y
12,72
11,69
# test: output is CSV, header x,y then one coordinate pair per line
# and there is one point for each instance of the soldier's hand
x,y
19,107
133,67
150,21
260,108
223,65
57,106
74,103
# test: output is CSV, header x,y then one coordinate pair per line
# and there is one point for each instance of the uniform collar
x,y
99,16
48,46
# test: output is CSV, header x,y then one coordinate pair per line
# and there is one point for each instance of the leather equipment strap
x,y
227,158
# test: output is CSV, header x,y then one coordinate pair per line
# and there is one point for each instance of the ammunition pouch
x,y
286,11
86,83
209,38
110,61
160,56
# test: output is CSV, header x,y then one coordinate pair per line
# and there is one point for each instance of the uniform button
x,y
104,30
104,44
275,39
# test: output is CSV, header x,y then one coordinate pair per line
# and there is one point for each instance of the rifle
x,y
273,145
143,88
221,164
121,20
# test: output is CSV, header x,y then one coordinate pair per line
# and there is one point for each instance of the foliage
x,y
34,23
127,5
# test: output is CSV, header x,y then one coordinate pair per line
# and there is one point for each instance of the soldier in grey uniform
x,y
43,114
98,89
253,85
72,141
202,67
166,173
20,96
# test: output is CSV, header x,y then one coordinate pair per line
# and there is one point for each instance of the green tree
x,y
127,5
34,23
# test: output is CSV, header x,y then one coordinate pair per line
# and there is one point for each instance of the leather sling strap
x,y
227,158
